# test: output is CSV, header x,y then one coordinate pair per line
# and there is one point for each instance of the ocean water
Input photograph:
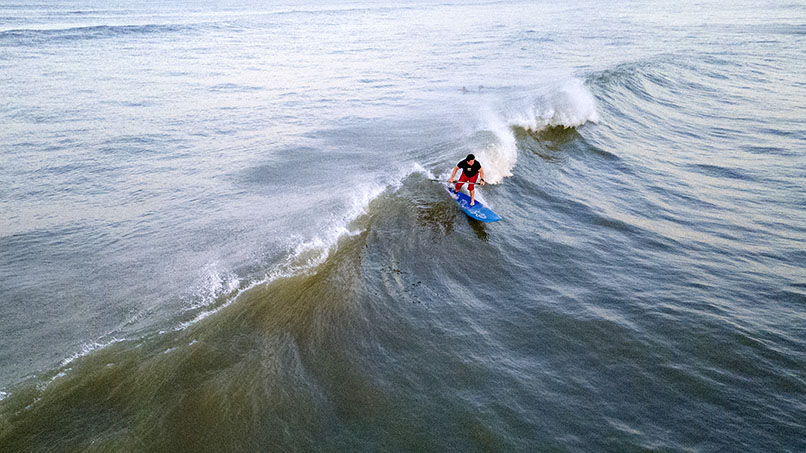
x,y
218,229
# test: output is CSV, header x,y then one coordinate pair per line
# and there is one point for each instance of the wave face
x,y
222,232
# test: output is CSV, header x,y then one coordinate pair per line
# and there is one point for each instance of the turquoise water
x,y
219,232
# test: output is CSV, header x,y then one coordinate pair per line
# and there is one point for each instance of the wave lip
x,y
215,283
88,348
305,254
570,104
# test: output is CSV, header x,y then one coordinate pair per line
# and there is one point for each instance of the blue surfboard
x,y
478,211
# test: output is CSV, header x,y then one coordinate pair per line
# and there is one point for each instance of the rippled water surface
x,y
220,232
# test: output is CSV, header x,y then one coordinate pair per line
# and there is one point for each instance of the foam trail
x,y
306,255
311,253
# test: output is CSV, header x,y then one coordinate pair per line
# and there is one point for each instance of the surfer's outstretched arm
x,y
481,174
453,175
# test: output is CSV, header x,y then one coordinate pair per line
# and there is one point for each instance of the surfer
x,y
471,170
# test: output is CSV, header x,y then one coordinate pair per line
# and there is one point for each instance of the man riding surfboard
x,y
471,170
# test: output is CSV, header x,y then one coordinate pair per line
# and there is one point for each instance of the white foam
x,y
87,348
310,253
4,395
568,104
499,157
214,283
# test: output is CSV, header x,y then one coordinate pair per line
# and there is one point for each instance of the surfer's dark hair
x,y
470,157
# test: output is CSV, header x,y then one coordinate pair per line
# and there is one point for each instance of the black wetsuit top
x,y
469,170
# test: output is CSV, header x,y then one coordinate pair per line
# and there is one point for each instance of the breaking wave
x,y
568,104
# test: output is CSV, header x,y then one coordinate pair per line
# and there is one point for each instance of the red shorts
x,y
463,178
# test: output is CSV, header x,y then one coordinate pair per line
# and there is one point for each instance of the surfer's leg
x,y
462,179
472,196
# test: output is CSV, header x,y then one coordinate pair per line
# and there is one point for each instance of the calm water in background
x,y
218,230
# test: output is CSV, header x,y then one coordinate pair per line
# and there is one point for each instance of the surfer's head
x,y
470,158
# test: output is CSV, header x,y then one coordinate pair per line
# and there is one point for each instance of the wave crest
x,y
499,157
570,104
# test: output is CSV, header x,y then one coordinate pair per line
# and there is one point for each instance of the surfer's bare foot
x,y
472,203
